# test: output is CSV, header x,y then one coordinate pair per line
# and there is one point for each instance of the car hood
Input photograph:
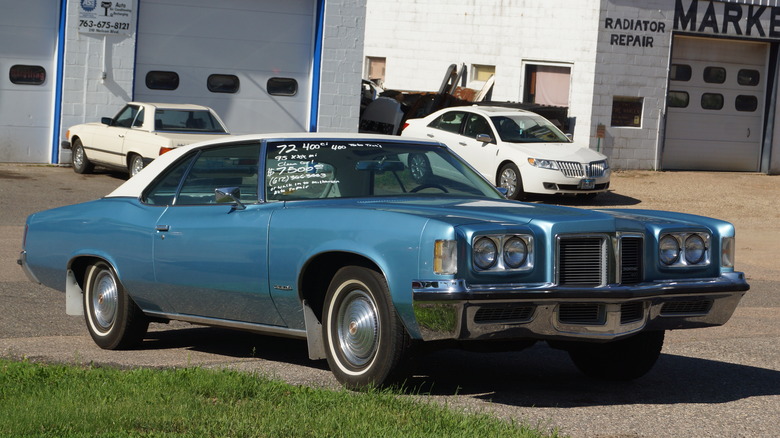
x,y
556,151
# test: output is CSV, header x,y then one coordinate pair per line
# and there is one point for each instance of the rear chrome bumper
x,y
453,310
22,261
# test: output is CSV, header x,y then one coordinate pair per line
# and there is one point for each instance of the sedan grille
x,y
582,261
574,169
630,260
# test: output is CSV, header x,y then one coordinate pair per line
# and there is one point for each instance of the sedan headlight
x,y
543,164
684,249
503,252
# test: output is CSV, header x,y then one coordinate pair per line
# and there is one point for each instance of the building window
x,y
748,77
375,69
282,87
714,75
27,74
223,83
680,72
627,111
746,103
162,80
712,101
677,99
547,84
482,73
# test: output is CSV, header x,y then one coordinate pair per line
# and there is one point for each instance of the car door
x,y
210,259
107,143
480,154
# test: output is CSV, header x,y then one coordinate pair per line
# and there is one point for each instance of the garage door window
x,y
712,101
223,83
678,99
680,72
27,75
282,87
748,77
162,80
714,75
746,103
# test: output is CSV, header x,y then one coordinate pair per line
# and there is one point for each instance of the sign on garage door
x,y
715,105
250,60
28,31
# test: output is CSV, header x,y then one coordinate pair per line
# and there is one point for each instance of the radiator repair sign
x,y
106,17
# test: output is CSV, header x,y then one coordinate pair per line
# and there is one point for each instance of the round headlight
x,y
695,249
669,249
515,252
485,253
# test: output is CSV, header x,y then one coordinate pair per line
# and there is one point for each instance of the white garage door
x,y
715,105
250,60
28,32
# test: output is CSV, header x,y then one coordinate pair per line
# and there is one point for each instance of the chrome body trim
x,y
238,325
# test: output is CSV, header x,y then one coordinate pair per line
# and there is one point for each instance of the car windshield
x,y
524,128
200,121
297,170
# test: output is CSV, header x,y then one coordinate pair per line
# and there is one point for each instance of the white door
x,y
715,105
255,55
28,32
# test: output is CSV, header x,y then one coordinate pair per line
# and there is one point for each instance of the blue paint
x,y
317,66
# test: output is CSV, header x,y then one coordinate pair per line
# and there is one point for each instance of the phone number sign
x,y
106,17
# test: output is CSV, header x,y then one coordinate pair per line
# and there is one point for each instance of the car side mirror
x,y
484,138
106,120
229,195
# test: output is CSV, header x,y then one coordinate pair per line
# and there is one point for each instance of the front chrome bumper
x,y
454,310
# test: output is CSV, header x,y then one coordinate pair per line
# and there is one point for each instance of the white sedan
x,y
138,134
518,150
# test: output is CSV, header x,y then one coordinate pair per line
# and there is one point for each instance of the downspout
x,y
57,119
316,72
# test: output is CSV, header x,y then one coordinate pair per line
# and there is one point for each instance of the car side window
x,y
475,125
139,119
125,117
194,179
449,121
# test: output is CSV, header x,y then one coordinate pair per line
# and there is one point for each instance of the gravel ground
x,y
715,382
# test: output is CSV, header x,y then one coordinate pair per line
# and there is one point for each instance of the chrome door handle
x,y
162,228
462,143
429,135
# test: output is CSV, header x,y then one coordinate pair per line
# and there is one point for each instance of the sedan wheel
x,y
364,339
509,179
79,160
113,319
136,165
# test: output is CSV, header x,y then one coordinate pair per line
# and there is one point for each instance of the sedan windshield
x,y
200,121
298,170
522,128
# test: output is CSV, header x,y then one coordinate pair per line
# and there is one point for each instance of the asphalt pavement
x,y
714,382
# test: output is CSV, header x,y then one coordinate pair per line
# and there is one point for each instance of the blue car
x,y
370,247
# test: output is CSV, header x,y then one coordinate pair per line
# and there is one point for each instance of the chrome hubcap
x,y
358,328
417,168
509,181
104,300
136,166
78,157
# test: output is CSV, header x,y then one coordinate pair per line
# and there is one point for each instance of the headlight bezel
x,y
544,163
677,249
505,246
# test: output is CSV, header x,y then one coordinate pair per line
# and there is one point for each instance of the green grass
x,y
67,401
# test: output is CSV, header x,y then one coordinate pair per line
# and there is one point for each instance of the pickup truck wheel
x,y
113,320
510,179
626,359
365,341
79,160
136,164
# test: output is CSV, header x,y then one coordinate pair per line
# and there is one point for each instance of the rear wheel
x,y
136,164
364,339
79,160
114,321
509,179
626,359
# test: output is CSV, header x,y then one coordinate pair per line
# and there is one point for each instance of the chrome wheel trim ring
x,y
105,300
509,181
136,165
78,156
357,324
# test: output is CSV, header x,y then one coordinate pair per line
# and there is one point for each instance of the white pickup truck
x,y
139,133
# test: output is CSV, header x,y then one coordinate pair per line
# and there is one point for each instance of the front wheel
x,y
509,179
365,341
626,359
113,320
79,160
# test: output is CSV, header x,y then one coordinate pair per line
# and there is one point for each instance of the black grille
x,y
582,261
632,312
581,313
504,314
631,260
686,307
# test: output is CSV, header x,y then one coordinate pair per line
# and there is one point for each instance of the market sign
x,y
729,19
106,17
